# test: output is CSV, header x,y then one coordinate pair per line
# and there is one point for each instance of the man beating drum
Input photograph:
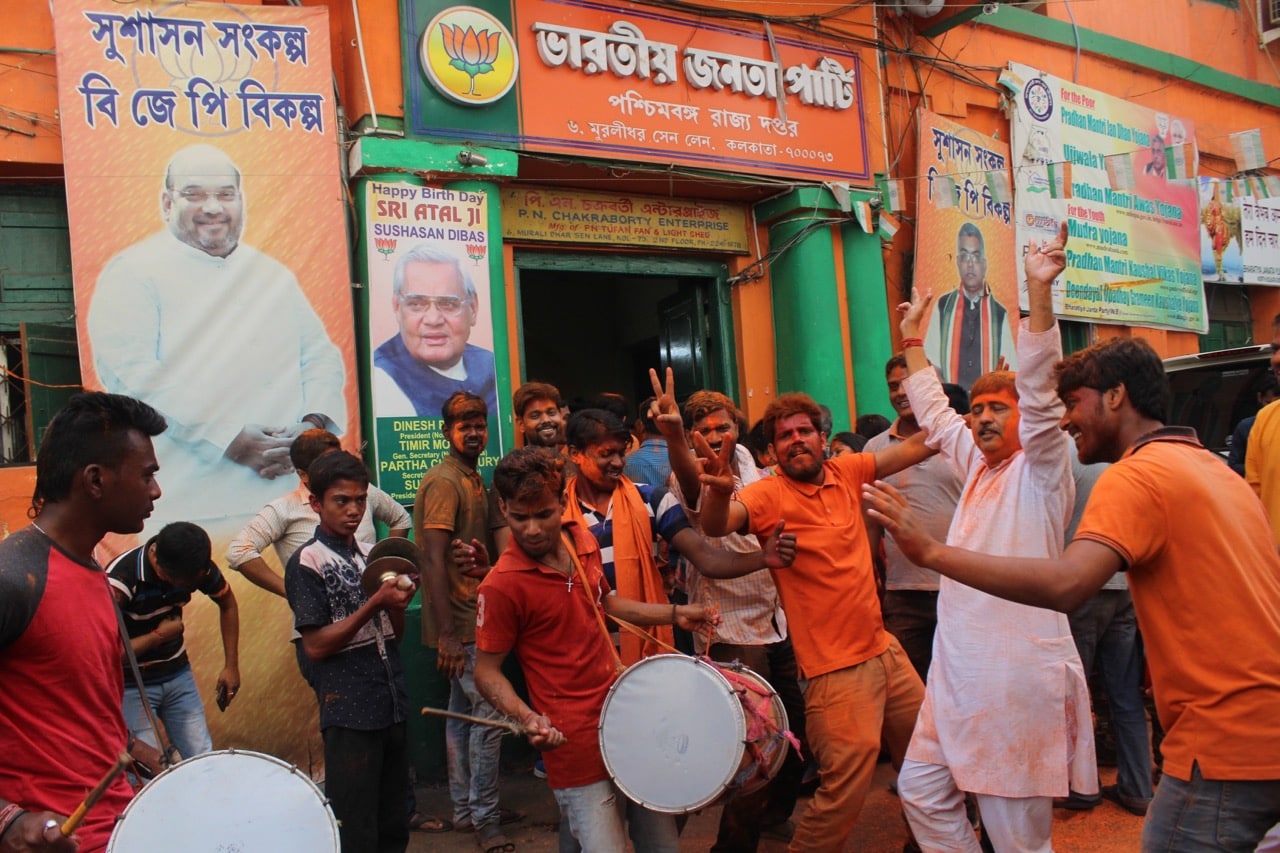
x,y
547,593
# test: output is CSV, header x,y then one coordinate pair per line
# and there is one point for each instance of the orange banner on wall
x,y
629,81
207,237
964,249
211,281
663,86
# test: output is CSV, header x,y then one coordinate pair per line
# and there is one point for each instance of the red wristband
x,y
9,816
907,343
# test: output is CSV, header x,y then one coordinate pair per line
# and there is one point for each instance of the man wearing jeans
x,y
152,583
452,504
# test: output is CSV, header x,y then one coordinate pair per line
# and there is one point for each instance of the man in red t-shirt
x,y
547,593
1205,579
61,727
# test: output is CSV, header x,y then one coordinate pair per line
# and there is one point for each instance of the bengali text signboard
x,y
548,214
635,82
964,243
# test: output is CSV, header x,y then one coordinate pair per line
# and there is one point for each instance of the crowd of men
x,y
940,595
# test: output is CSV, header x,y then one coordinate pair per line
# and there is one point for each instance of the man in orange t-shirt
x,y
1205,579
861,682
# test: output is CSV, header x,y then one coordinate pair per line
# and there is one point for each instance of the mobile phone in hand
x,y
222,698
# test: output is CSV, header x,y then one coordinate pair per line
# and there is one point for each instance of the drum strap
x,y
595,606
168,754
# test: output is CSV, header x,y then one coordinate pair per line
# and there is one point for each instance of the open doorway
x,y
591,324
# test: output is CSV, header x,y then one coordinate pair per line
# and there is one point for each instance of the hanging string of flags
x,y
949,189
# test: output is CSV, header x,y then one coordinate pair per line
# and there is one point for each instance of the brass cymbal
x,y
387,559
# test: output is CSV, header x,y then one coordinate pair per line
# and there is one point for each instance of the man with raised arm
x,y
753,626
1006,712
1205,580
861,683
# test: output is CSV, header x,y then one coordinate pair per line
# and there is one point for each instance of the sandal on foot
x,y
427,823
490,839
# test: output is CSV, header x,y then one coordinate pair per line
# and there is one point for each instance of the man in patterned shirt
x,y
753,628
626,518
153,583
288,521
349,653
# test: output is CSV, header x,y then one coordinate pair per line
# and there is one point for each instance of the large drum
x,y
678,732
224,801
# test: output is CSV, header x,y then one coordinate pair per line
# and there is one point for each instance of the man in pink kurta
x,y
1006,710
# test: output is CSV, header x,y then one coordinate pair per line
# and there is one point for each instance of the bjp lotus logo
x,y
469,56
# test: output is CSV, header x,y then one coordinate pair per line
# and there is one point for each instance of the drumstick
x,y
70,824
510,725
643,634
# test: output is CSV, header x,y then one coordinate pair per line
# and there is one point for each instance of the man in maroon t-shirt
x,y
546,594
61,727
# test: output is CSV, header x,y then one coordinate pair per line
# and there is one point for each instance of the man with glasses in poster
x,y
966,338
218,336
429,359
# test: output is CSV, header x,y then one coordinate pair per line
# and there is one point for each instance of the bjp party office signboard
x,y
1122,177
625,81
210,276
965,249
430,324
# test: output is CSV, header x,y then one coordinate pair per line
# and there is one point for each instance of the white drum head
x,y
672,732
228,802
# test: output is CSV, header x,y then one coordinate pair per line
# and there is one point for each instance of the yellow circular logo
x,y
469,56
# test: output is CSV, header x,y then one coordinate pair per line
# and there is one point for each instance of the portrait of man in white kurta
x,y
219,337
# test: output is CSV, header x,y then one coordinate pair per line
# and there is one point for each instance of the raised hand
x,y
1046,261
664,409
717,472
914,312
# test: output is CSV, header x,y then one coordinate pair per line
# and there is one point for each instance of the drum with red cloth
x,y
678,733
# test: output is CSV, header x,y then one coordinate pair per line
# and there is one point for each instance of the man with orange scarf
x,y
623,517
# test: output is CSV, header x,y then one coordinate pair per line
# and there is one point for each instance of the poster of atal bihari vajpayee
x,y
430,323
211,281
965,250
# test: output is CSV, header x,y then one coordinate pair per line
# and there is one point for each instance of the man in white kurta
x,y
1006,711
219,338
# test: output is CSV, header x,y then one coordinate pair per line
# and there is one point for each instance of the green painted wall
x,y
869,318
806,307
806,312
